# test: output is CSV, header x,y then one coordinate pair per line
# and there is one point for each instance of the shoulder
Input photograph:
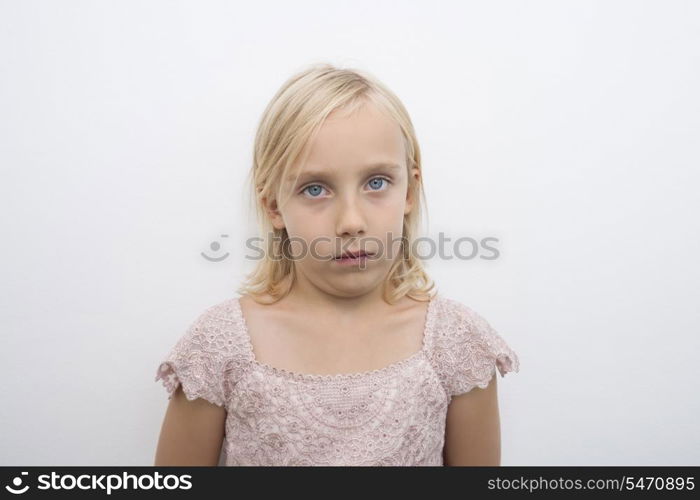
x,y
214,329
223,311
208,355
456,319
456,322
465,348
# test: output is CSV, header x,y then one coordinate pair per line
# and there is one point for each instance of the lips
x,y
353,254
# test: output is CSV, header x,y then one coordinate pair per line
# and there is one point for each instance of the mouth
x,y
353,255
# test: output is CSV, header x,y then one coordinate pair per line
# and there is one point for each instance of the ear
x,y
273,213
413,179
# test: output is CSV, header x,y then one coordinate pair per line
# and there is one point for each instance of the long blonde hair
x,y
290,121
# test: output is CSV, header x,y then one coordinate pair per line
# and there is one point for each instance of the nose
x,y
350,220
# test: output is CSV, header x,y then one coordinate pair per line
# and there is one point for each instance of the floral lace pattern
x,y
394,415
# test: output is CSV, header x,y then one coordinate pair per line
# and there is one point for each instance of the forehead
x,y
354,142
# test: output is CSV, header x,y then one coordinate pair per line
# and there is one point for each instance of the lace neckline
x,y
284,373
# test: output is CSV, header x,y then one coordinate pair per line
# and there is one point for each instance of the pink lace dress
x,y
394,415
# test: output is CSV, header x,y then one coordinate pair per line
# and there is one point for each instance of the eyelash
x,y
388,181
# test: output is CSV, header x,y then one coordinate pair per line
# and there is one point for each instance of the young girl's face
x,y
352,193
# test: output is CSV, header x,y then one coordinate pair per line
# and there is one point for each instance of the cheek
x,y
305,224
295,216
309,235
389,209
393,199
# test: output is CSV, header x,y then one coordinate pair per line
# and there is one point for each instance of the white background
x,y
568,130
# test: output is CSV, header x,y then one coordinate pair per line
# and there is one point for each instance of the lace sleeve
x,y
199,360
471,351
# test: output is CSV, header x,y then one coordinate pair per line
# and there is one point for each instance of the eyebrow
x,y
310,174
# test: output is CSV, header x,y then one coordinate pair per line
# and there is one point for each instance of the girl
x,y
338,350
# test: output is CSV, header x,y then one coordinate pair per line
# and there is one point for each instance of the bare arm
x,y
472,432
192,432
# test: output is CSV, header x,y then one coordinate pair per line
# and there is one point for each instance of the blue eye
x,y
378,179
316,188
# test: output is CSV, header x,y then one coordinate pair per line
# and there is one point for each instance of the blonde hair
x,y
289,123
